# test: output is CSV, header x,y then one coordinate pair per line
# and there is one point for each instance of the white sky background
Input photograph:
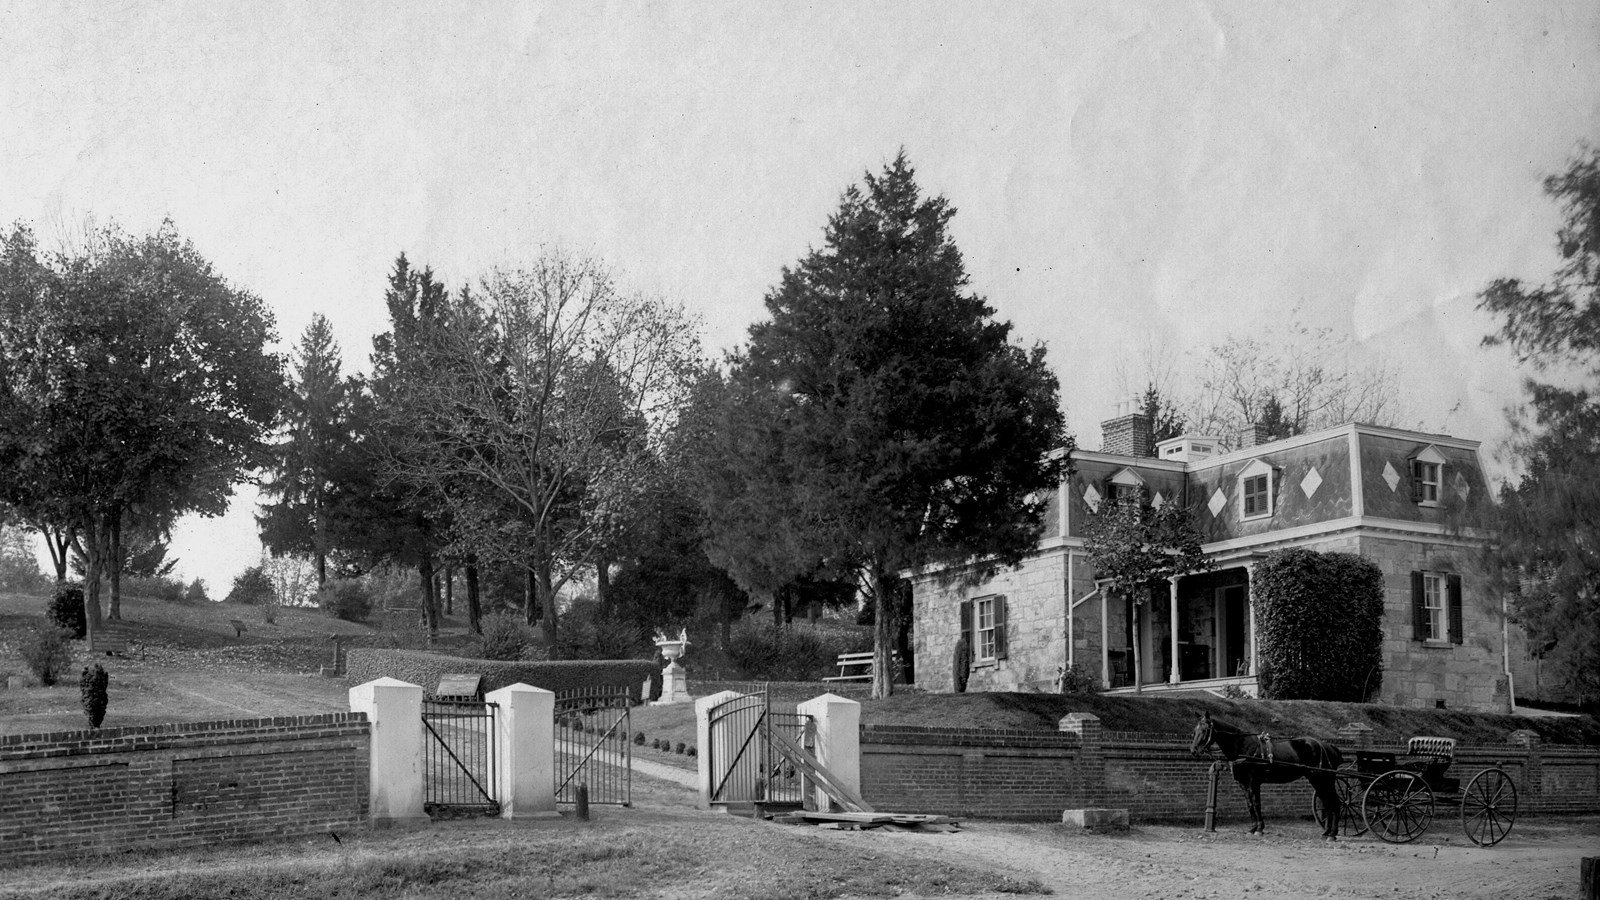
x,y
1127,178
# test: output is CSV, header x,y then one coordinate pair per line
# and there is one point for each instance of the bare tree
x,y
540,411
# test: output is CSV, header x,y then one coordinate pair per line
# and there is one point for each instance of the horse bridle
x,y
1210,738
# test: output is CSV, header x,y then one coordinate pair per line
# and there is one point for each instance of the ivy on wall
x,y
1319,626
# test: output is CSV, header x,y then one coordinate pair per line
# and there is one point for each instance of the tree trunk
x,y
602,581
902,631
94,559
474,607
449,590
57,540
430,602
882,634
116,567
322,569
530,598
547,605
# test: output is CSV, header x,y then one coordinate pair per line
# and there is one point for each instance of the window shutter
x,y
1000,627
966,630
1416,481
1453,585
1419,611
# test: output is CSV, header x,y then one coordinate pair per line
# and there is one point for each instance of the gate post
x,y
706,753
394,770
525,751
838,745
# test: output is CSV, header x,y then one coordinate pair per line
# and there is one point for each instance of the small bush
x,y
655,744
638,738
1075,679
156,587
691,751
506,637
92,690
678,748
345,598
763,652
960,665
66,610
196,592
46,653
251,587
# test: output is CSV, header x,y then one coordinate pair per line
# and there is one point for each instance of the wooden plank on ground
x,y
830,783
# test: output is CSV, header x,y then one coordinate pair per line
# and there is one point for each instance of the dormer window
x,y
1123,485
1427,477
1255,490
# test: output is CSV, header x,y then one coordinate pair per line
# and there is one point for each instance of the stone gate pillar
x,y
525,751
394,772
838,742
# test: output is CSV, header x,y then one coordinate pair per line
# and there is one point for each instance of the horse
x,y
1257,759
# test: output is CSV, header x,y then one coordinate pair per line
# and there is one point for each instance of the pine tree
x,y
893,422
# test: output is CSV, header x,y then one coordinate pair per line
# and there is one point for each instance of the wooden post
x,y
1590,873
1211,797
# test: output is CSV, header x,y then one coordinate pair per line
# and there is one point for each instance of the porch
x,y
1199,634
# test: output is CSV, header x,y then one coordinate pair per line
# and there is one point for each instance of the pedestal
x,y
674,685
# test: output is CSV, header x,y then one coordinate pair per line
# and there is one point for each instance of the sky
x,y
1134,182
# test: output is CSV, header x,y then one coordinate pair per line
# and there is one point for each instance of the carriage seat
x,y
1433,756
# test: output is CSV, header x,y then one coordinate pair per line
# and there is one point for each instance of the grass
x,y
622,855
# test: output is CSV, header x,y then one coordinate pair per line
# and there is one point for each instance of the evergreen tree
x,y
881,420
1547,551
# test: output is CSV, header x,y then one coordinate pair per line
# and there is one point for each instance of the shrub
x,y
345,598
691,751
678,748
960,665
1075,679
66,609
19,568
589,631
46,653
196,592
1319,626
638,738
92,690
506,636
764,652
251,587
156,587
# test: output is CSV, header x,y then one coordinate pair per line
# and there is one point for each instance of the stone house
x,y
1396,497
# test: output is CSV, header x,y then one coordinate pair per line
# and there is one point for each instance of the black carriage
x,y
1394,795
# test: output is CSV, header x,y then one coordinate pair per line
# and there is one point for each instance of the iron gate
x,y
592,745
745,765
458,759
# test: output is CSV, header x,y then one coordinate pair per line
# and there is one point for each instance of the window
x,y
1433,605
1427,477
1255,490
1255,496
985,628
1436,607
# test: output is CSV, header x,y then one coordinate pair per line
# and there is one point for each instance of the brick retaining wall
x,y
1034,775
180,785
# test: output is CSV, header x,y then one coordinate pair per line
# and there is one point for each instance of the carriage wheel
x,y
1351,823
1398,806
1489,807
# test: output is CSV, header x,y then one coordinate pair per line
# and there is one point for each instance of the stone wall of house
x,y
1416,674
1036,627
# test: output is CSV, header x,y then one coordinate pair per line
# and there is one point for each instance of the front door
x,y
1234,625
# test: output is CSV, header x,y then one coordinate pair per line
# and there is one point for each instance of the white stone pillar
x,y
525,751
394,715
706,753
1105,641
1174,675
838,745
1250,605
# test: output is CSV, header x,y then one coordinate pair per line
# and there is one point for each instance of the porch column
x,y
1250,603
1105,643
1174,675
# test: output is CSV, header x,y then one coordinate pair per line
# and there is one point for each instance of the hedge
x,y
422,668
1319,624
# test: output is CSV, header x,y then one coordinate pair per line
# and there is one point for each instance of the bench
x,y
238,627
857,666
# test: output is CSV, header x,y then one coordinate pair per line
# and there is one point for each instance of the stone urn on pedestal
x,y
674,680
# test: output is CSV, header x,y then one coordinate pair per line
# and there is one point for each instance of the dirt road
x,y
1539,860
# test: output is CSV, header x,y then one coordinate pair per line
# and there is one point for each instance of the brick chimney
x,y
1250,435
1130,432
